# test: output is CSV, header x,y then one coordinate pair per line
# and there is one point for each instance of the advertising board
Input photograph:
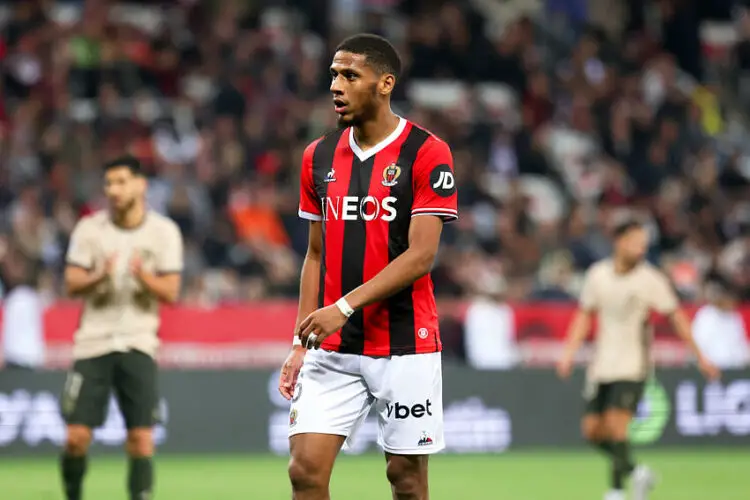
x,y
485,412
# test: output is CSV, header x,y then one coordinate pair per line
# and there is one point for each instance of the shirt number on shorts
x,y
71,391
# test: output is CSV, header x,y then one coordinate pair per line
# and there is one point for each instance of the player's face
x,y
123,188
633,245
358,90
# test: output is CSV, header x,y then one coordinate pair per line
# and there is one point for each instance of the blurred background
x,y
564,116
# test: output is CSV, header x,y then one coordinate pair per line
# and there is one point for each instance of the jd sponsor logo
x,y
442,181
652,415
402,412
715,409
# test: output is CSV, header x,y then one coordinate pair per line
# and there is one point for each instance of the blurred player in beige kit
x,y
623,291
123,262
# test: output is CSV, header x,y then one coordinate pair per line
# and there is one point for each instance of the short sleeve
x,y
309,204
435,190
81,249
663,297
587,299
170,259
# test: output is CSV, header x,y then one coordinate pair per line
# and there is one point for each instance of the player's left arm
x,y
664,301
435,202
166,280
415,262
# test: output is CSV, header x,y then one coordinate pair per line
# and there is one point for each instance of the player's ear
x,y
386,84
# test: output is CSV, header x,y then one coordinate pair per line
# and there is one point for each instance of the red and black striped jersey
x,y
366,200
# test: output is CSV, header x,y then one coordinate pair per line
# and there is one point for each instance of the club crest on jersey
x,y
391,175
330,176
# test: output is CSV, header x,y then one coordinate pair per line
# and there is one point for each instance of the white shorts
x,y
335,392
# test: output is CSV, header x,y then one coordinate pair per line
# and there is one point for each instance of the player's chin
x,y
345,120
119,205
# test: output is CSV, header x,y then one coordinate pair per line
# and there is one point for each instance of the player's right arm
x,y
580,326
310,275
82,272
309,209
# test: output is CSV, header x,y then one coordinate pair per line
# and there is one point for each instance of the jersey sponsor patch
x,y
442,181
366,208
404,411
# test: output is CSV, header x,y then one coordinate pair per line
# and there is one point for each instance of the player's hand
x,y
708,369
565,367
136,264
290,371
108,269
321,323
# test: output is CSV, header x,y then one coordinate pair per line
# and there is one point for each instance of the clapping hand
x,y
136,264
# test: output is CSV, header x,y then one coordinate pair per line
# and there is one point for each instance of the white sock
x,y
615,495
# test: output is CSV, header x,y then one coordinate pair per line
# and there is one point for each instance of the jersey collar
x,y
366,155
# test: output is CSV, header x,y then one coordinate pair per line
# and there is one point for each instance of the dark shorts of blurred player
x,y
622,395
131,375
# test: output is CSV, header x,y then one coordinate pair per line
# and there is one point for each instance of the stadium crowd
x,y
218,100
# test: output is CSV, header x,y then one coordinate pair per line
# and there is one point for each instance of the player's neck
x,y
129,219
622,266
724,306
375,131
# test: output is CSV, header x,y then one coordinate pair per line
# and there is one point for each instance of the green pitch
x,y
697,475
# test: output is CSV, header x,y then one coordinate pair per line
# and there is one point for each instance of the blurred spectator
x,y
555,279
23,329
489,328
719,328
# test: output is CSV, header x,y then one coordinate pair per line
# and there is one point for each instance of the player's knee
x,y
305,474
618,431
140,443
616,424
78,440
592,430
406,474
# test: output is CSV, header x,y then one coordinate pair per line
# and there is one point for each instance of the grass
x,y
685,475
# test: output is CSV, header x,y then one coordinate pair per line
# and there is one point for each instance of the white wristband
x,y
344,307
296,341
